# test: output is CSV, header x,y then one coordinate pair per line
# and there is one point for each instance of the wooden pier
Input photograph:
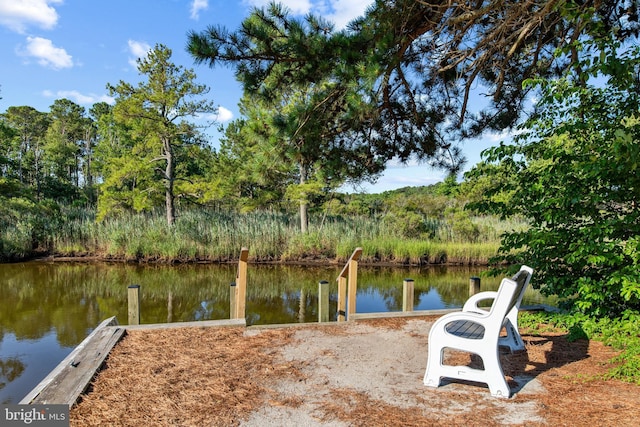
x,y
72,376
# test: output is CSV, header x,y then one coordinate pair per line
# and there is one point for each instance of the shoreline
x,y
300,262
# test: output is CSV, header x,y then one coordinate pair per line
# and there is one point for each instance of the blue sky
x,y
54,49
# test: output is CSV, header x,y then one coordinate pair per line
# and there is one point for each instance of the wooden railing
x,y
348,286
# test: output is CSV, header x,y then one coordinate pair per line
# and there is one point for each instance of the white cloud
x,y
297,7
495,137
197,6
18,14
432,177
47,54
340,12
223,115
79,98
344,11
139,50
505,135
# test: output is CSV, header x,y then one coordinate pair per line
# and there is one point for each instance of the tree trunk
x,y
36,159
88,155
169,178
304,220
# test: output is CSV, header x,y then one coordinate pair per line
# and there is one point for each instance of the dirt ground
x,y
364,373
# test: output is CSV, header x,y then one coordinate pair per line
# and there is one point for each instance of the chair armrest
x,y
472,303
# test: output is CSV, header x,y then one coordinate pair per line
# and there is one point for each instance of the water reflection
x,y
10,369
46,309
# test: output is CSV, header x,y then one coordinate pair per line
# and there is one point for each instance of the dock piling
x,y
348,286
407,295
474,285
323,301
134,304
241,285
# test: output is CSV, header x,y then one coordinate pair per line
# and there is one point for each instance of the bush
x,y
573,175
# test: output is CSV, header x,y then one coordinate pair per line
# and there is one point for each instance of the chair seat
x,y
466,329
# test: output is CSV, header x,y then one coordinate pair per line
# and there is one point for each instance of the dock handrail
x,y
348,284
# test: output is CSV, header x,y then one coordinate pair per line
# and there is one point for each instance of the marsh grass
x,y
211,235
15,243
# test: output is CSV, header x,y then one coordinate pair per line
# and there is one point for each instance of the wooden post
x,y
241,284
323,301
353,288
474,285
342,299
233,295
134,304
407,295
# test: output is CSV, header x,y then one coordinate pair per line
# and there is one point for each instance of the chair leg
x,y
513,339
434,362
495,377
430,379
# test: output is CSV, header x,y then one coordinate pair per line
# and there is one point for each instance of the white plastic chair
x,y
477,331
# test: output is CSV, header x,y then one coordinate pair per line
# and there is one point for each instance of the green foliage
x,y
449,186
573,175
402,76
64,143
464,228
154,114
208,234
22,145
249,171
26,226
409,224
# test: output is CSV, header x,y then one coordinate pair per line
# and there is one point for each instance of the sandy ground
x,y
365,373
391,375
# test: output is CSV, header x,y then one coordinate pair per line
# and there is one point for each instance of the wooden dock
x,y
72,376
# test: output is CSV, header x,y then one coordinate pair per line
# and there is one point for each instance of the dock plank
x,y
197,324
71,377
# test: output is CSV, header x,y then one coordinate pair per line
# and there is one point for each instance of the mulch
x,y
220,376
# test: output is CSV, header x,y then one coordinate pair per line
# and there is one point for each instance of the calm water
x,y
46,309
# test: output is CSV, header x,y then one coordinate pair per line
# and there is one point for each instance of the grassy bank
x,y
207,235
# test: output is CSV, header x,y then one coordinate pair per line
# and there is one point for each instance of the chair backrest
x,y
522,279
508,296
505,296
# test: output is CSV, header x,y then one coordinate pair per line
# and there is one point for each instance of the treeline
x,y
73,181
140,153
50,155
409,226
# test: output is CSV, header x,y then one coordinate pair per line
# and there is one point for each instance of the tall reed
x,y
212,235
